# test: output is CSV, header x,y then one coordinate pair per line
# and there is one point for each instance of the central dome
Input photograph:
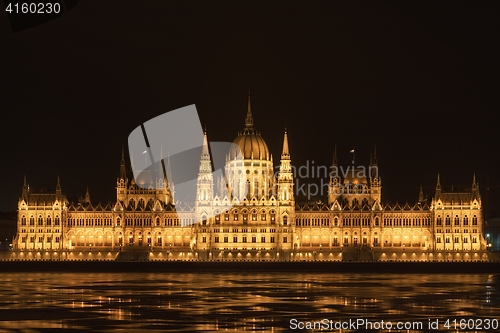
x,y
252,146
250,142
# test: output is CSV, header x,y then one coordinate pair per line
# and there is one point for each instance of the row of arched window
x,y
456,220
407,222
89,222
456,239
40,221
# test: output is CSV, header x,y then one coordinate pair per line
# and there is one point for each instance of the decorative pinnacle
x,y
249,117
285,145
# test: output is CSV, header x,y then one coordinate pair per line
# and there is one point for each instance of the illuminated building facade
x,y
256,217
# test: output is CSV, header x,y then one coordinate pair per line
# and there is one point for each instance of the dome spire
x,y
249,117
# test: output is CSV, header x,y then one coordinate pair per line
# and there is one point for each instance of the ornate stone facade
x,y
256,217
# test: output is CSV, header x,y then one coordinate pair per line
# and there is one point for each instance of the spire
x,y
205,181
205,160
25,189
168,171
249,117
58,189
334,163
421,194
205,152
374,158
438,187
285,175
475,187
87,195
286,152
123,172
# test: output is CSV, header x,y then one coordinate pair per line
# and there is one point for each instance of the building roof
x,y
249,141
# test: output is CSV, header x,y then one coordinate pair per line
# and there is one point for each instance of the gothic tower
x,y
204,185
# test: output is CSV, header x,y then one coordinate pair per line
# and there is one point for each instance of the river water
x,y
251,302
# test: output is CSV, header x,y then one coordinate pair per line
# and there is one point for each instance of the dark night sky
x,y
418,79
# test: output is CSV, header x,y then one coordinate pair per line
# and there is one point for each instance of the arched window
x,y
439,221
40,220
474,220
49,220
32,220
448,220
118,221
457,220
466,220
23,220
285,220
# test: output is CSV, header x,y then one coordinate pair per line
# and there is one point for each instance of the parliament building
x,y
258,218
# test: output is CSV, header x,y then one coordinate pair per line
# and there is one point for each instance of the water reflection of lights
x,y
257,301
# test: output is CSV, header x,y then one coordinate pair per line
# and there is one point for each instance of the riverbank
x,y
251,266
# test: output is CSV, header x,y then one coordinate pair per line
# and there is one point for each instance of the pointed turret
x,y
438,187
421,195
249,117
334,186
205,154
58,189
87,195
475,187
285,175
168,172
374,164
335,162
25,189
123,171
205,176
204,185
285,153
170,183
